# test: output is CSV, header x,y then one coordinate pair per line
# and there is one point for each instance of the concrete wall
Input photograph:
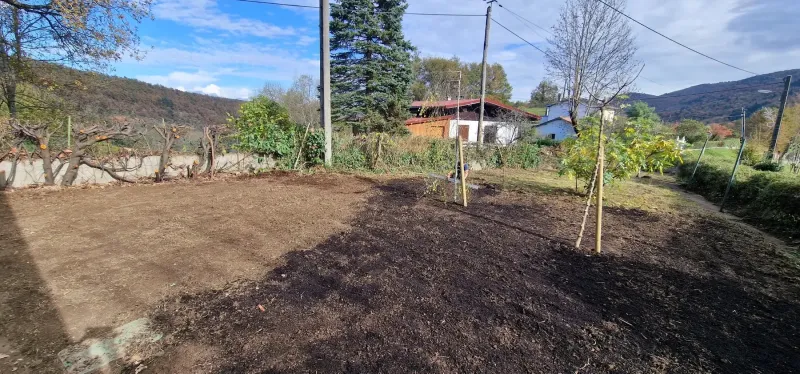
x,y
29,172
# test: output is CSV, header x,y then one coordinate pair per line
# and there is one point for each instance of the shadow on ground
x,y
31,330
419,286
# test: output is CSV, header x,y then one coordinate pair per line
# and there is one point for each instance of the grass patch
x,y
767,199
651,194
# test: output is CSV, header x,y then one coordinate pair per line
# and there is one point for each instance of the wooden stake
x,y
461,166
600,173
588,204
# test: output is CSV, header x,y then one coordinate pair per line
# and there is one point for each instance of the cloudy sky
x,y
231,49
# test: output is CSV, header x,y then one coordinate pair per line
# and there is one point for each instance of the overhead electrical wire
x,y
517,35
525,21
673,40
316,7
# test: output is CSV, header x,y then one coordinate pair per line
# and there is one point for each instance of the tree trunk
x,y
164,160
72,169
47,165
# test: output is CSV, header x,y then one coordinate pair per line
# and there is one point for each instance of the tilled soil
x,y
420,286
76,263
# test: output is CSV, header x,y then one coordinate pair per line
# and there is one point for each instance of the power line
x,y
316,7
517,35
281,4
673,40
525,20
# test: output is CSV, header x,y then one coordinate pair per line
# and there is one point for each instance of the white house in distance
x,y
556,123
503,123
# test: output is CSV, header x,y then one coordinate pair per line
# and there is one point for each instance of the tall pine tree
x,y
371,65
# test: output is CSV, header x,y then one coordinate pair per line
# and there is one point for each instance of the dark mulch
x,y
418,286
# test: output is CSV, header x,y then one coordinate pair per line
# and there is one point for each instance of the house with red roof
x,y
503,123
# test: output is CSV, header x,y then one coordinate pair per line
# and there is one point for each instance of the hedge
x,y
770,199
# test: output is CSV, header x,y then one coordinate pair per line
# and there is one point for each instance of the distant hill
x,y
104,96
703,103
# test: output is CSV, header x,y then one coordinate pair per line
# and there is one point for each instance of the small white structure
x,y
561,109
557,129
501,132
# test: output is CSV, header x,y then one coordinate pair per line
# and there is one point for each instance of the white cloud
x,y
200,81
179,78
205,14
229,92
705,25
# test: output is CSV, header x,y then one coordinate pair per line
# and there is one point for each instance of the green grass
x,y
650,194
536,111
767,199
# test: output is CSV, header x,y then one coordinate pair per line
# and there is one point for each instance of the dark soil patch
x,y
420,286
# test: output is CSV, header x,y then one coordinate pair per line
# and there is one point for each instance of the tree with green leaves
x,y
544,94
693,130
371,65
640,111
263,127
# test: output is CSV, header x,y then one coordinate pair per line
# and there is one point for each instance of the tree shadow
x,y
31,328
417,288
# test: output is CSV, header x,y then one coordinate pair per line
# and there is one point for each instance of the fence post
x,y
733,175
461,166
699,158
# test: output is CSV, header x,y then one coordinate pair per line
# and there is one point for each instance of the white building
x,y
561,109
503,124
557,129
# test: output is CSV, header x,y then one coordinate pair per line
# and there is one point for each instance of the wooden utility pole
x,y
483,71
325,77
787,84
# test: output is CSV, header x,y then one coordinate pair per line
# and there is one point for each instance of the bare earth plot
x,y
394,281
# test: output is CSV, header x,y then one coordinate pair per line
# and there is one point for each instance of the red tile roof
x,y
449,104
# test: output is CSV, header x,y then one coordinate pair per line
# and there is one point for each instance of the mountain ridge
x,y
718,102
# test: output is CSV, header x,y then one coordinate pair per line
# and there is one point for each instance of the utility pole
x,y
458,99
787,83
325,77
483,71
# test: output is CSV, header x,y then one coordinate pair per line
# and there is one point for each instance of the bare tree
x,y
40,135
300,100
85,137
592,48
85,33
170,134
207,150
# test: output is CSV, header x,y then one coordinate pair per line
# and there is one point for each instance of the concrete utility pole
x,y
787,84
743,141
325,77
483,71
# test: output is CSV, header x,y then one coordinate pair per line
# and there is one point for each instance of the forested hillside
x,y
705,103
97,96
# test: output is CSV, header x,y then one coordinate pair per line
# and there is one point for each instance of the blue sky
x,y
231,49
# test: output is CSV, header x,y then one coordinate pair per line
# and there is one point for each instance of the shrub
x,y
752,154
768,166
767,197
